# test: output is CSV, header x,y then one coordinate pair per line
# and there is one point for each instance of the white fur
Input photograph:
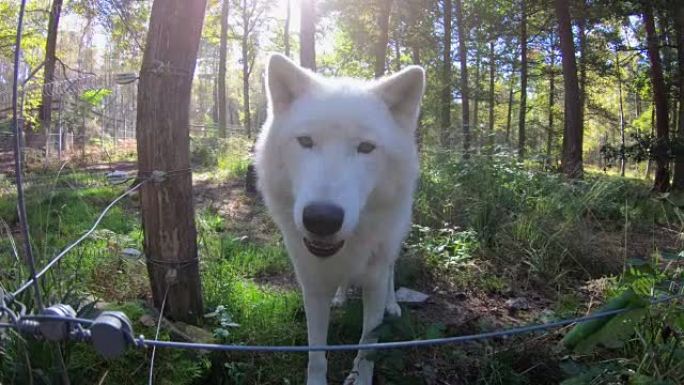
x,y
375,190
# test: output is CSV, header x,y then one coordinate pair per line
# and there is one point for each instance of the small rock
x,y
410,296
117,177
147,320
194,333
515,304
131,253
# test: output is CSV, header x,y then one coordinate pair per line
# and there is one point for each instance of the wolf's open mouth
x,y
323,249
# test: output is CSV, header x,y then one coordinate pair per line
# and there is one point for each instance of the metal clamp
x,y
110,333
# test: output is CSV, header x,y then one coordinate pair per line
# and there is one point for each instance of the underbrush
x,y
541,227
485,229
223,158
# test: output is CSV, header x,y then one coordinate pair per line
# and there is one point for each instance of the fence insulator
x,y
125,77
56,330
110,333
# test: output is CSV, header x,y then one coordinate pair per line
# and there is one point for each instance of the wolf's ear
x,y
286,82
402,92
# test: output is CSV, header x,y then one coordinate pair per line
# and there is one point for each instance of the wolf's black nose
x,y
322,218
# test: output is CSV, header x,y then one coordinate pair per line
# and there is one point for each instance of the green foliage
x,y
509,213
609,331
444,248
645,341
226,158
94,97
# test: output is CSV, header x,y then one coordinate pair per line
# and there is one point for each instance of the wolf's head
x,y
333,150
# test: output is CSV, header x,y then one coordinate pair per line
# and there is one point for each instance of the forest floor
x,y
516,248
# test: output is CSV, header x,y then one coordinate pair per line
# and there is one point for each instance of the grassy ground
x,y
496,244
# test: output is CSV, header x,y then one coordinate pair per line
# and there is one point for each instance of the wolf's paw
x,y
354,378
361,373
393,309
351,378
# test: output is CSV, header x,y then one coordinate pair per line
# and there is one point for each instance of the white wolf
x,y
337,166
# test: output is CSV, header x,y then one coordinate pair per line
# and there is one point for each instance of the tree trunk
x,y
523,81
307,42
383,37
246,70
573,132
649,165
168,217
678,182
492,74
223,57
397,52
552,99
446,77
476,103
509,116
618,71
49,69
415,54
662,174
286,32
582,26
215,106
463,55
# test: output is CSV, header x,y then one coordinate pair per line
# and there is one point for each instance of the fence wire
x,y
59,256
142,342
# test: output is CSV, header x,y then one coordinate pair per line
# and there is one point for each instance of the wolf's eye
x,y
365,147
305,141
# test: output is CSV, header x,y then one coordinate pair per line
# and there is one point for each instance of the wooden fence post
x,y
163,137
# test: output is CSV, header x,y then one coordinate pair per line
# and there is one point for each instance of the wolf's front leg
x,y
317,308
392,307
374,300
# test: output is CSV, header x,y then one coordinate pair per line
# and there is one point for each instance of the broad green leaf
x,y
586,335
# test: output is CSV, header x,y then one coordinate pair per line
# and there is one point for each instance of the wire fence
x,y
34,324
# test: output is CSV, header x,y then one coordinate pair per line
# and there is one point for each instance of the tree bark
x,y
49,69
477,141
383,37
463,55
660,151
552,99
573,132
246,70
307,42
397,52
509,116
445,118
582,27
523,81
618,71
492,74
678,180
286,31
223,57
168,217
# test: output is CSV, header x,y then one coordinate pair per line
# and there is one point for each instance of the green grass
x,y
483,226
